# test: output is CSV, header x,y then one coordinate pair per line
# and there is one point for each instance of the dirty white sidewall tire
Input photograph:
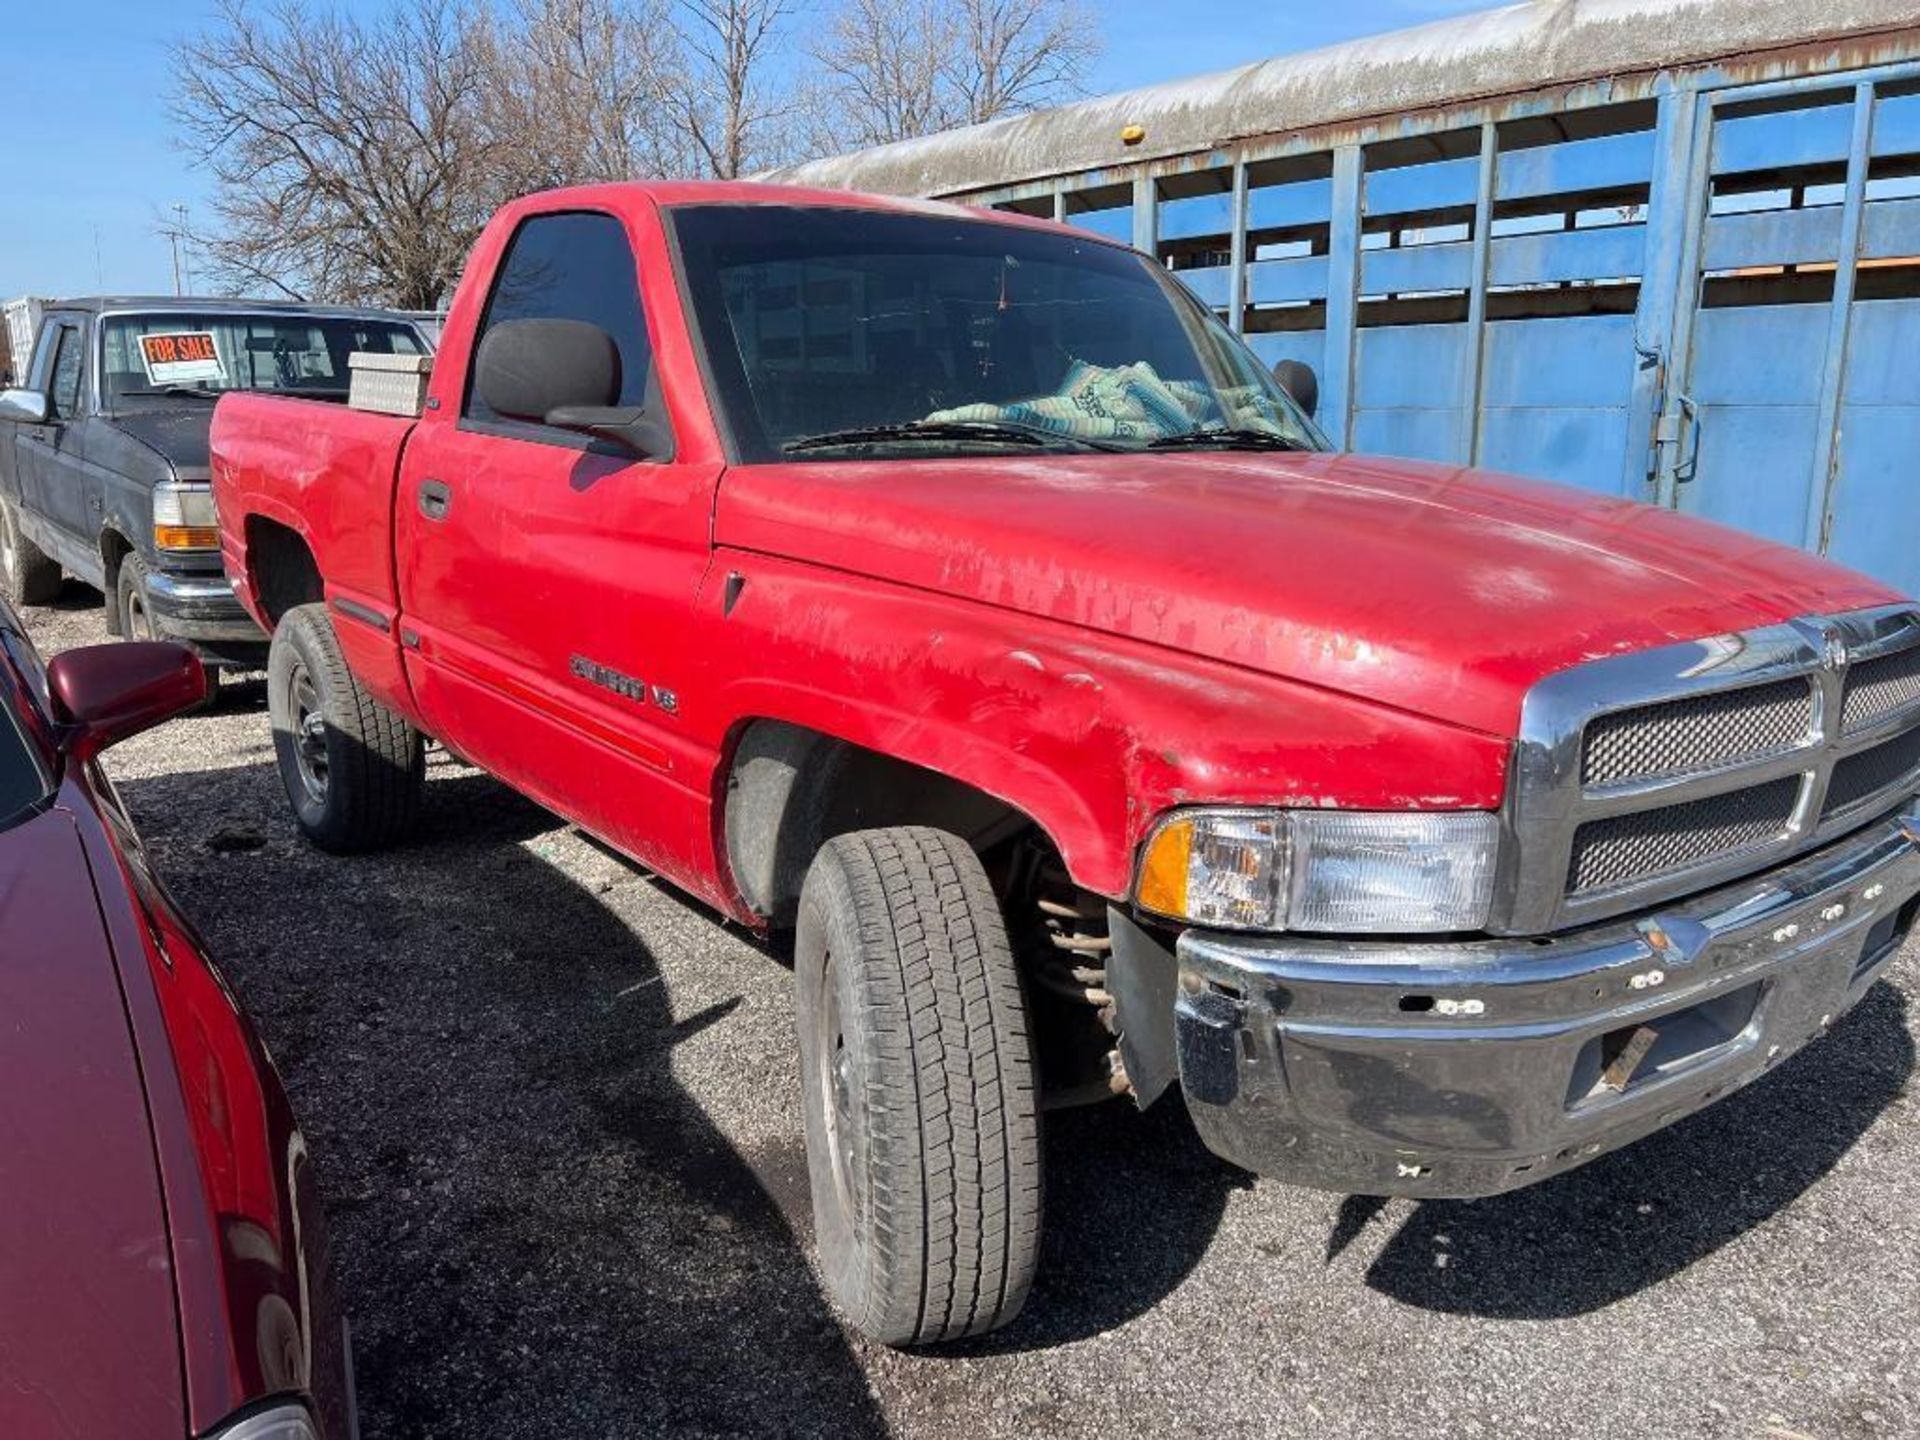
x,y
917,1079
27,575
352,768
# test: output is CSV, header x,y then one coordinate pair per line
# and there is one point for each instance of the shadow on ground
x,y
538,1232
1599,1234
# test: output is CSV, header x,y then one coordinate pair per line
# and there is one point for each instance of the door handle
x,y
1685,470
435,499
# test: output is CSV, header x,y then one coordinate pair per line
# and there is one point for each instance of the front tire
x,y
134,612
922,1117
27,574
133,616
352,768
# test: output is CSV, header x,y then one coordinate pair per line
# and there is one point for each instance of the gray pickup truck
x,y
103,450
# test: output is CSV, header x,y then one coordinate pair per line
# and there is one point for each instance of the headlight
x,y
1333,871
282,1422
183,517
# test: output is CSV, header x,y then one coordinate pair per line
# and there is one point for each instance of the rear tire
x,y
352,768
27,575
922,1117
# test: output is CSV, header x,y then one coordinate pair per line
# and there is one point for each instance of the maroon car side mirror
x,y
104,693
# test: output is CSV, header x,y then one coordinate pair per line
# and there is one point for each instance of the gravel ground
x,y
554,1109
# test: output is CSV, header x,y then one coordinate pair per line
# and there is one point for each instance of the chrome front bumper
x,y
202,611
1466,1069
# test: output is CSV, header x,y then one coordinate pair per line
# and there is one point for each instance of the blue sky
x,y
93,169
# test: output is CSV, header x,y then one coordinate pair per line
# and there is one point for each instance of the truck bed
x,y
326,474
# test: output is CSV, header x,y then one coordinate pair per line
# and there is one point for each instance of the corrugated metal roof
x,y
1518,48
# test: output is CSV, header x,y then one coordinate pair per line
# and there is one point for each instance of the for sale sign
x,y
186,358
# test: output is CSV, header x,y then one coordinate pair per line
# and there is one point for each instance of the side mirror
x,y
27,407
104,693
1300,383
563,373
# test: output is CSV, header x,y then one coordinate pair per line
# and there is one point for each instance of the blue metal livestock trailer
x,y
1663,249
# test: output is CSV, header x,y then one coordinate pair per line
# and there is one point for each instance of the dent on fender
x,y
1090,736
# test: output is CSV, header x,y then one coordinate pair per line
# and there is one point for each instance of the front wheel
x,y
133,610
352,768
922,1118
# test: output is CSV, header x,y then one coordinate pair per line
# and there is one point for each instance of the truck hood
x,y
1438,590
88,1336
179,435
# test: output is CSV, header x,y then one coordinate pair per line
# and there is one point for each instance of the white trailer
x,y
23,323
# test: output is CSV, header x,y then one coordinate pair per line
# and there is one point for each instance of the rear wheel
x,y
27,575
923,1128
352,768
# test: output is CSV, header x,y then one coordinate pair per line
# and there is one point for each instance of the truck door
x,y
60,495
546,580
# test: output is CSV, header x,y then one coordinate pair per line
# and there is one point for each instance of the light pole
x,y
176,234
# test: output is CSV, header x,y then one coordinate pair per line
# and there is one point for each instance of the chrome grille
x,y
1874,773
1629,848
1645,776
1699,733
1877,688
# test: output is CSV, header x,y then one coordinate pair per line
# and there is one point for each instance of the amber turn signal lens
x,y
1163,869
186,537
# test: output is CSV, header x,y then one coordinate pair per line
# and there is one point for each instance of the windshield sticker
x,y
186,358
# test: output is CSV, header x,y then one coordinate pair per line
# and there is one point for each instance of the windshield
x,y
851,333
212,352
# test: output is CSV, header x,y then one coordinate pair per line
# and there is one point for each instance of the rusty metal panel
x,y
1532,58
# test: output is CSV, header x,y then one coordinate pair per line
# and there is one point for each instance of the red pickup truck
x,y
954,589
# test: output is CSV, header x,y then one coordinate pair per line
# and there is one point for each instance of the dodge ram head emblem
x,y
1833,649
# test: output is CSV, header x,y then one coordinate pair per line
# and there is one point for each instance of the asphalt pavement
x,y
554,1108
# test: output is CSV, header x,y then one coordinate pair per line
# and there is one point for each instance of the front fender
x,y
1090,736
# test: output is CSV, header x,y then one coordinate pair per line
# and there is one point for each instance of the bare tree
x,y
356,159
726,102
1016,55
580,91
894,69
348,158
881,65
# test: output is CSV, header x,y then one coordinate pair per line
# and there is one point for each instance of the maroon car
x,y
162,1265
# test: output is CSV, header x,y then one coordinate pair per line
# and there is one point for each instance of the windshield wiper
x,y
1228,438
1006,432
198,392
